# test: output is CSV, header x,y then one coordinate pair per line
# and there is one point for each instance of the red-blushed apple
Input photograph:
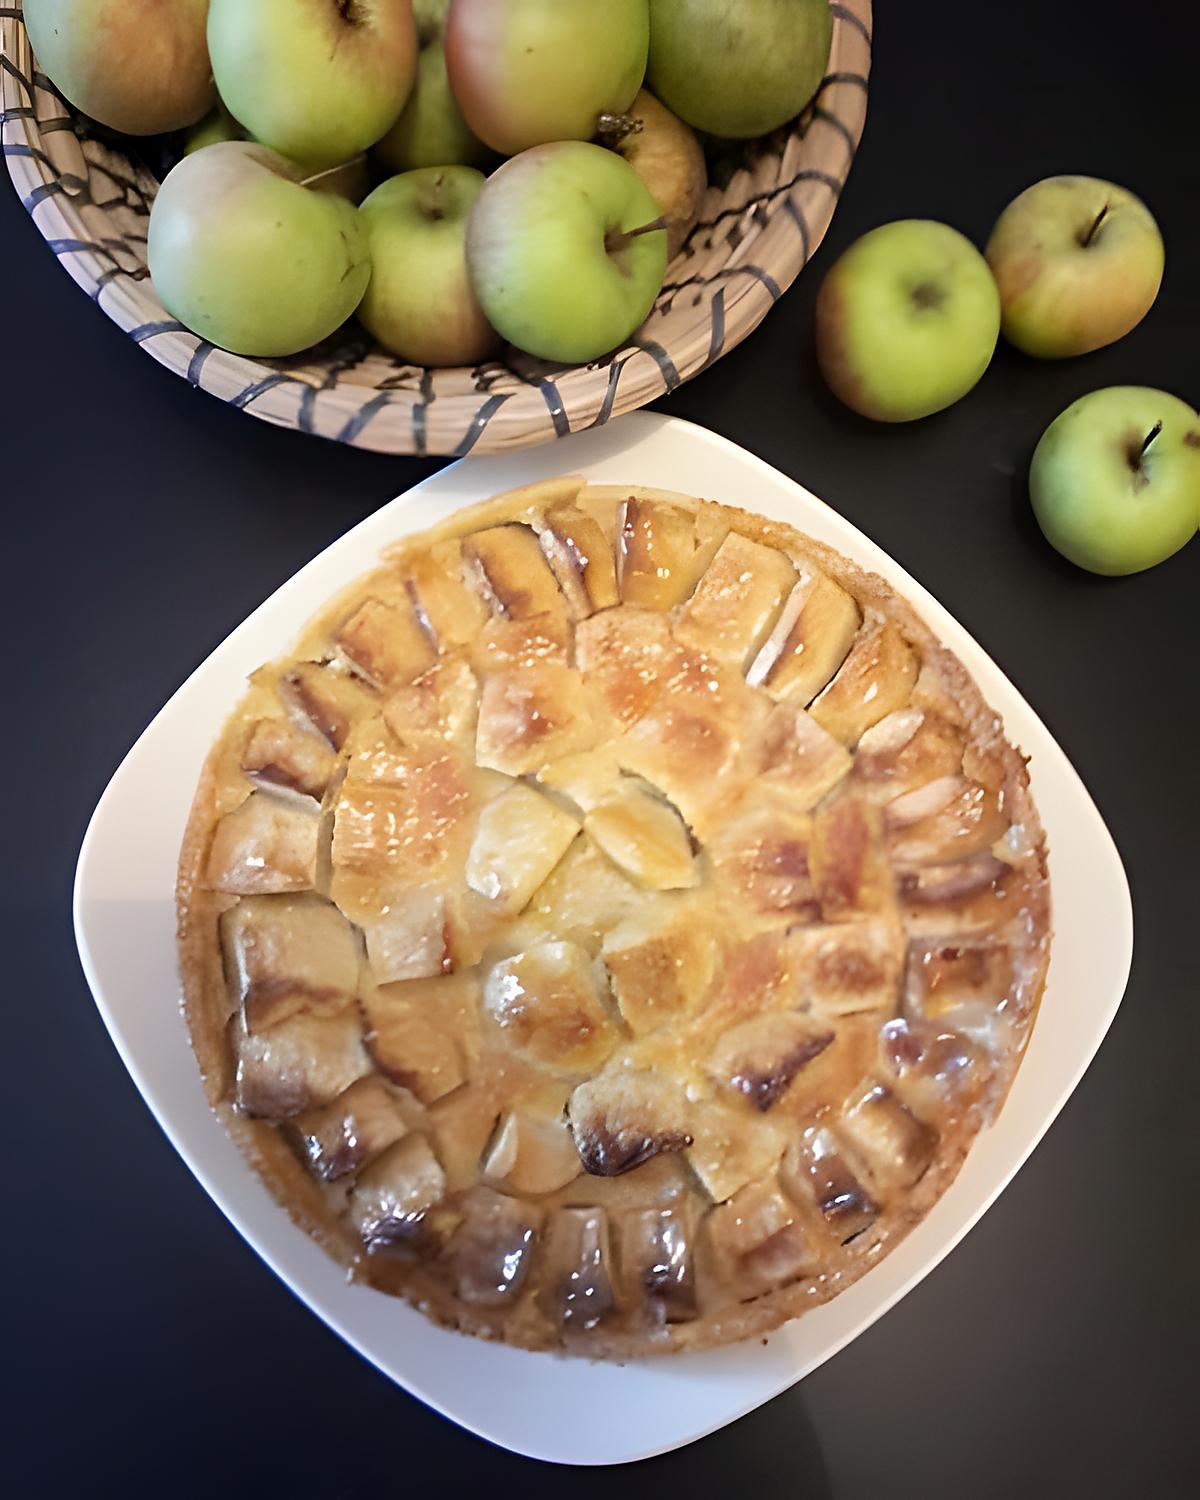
x,y
316,80
351,179
667,156
1115,480
907,320
526,72
1078,262
431,131
419,303
562,253
248,257
142,69
738,69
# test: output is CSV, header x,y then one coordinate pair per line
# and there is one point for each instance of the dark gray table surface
x,y
148,1350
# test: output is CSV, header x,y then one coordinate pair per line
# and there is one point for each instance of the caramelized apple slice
x,y
282,943
850,869
661,960
626,1115
360,1124
451,612
532,1154
299,1064
520,837
581,558
907,749
968,819
418,1032
645,837
814,1166
583,898
932,1061
578,1293
391,1197
586,779
658,1260
850,967
330,700
521,643
801,763
411,939
896,1147
656,553
266,844
737,601
531,715
809,642
758,1240
438,707
875,679
279,753
548,1007
631,656
386,643
512,574
942,976
733,1148
493,1247
759,1058
761,861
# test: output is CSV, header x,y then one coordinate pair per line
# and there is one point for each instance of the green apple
x,y
526,72
1078,263
667,156
217,125
142,68
317,80
350,179
419,303
1115,480
559,251
431,131
907,320
738,69
248,257
430,16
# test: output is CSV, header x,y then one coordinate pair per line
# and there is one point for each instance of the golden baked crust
x,y
612,923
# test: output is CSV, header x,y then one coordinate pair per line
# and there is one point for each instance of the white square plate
x,y
539,1404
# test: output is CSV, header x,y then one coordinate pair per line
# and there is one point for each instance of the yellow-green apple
x,y
907,320
137,68
530,71
217,125
430,16
1115,480
351,178
1078,262
317,80
419,303
248,257
666,155
431,131
561,253
738,69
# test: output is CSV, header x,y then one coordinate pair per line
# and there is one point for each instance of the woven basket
x,y
764,215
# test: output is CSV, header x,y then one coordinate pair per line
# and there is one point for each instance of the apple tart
x,y
611,924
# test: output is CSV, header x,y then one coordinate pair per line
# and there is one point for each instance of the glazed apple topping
x,y
391,1197
279,753
492,1249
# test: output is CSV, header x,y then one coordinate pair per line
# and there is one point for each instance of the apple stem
x,y
329,171
613,130
1087,239
1150,436
617,239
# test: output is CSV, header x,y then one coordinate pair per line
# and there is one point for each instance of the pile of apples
x,y
261,239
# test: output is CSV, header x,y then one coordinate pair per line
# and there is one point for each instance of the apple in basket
x,y
431,131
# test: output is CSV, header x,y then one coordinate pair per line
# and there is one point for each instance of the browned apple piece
x,y
895,1146
438,707
737,601
493,1247
931,887
942,976
645,837
505,643
548,1007
815,1167
733,1148
809,643
762,862
581,558
267,844
656,553
584,897
660,959
907,749
386,643
631,656
759,1058
461,1125
586,778
519,839
451,612
930,1059
626,1115
280,753
343,1136
578,1289
969,821
851,873
299,1064
849,967
391,1197
657,1259
511,573
296,948
412,939
532,1153
757,1238
408,1037
330,700
875,679
531,715
801,762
